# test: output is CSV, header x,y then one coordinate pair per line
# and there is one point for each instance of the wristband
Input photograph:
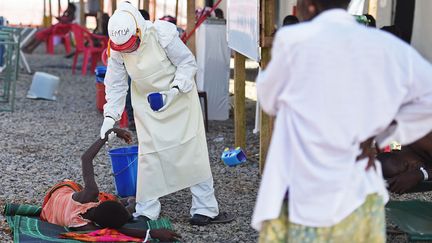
x,y
425,174
147,238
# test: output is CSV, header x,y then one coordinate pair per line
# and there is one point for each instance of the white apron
x,y
172,151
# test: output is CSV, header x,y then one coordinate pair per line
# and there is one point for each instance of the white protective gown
x,y
172,144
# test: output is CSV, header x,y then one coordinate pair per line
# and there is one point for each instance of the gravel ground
x,y
42,141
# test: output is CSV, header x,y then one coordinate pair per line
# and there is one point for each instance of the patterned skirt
x,y
365,224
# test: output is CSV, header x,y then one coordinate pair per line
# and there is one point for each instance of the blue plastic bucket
x,y
125,166
100,72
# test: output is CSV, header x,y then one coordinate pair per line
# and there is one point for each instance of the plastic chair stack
x,y
86,44
62,31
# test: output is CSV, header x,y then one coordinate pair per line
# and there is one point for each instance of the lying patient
x,y
67,204
407,168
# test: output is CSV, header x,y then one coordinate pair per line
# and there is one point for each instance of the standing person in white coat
x,y
332,84
172,144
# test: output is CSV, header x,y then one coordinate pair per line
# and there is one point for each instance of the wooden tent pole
x,y
102,6
99,15
266,128
176,9
191,24
113,5
146,4
58,8
44,22
50,12
154,10
373,8
82,16
239,100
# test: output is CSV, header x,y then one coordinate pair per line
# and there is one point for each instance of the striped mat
x,y
27,227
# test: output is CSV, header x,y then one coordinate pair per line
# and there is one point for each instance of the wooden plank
x,y
266,126
239,100
191,24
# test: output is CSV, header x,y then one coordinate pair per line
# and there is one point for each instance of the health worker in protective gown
x,y
172,143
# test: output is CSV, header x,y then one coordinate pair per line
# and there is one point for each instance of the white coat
x,y
334,83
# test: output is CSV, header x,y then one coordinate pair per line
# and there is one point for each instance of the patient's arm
x,y
405,182
422,147
402,170
91,190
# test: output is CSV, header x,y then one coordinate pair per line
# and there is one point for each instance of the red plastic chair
x,y
61,30
84,43
48,35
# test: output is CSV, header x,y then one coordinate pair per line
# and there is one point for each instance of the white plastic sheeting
x,y
213,59
422,28
356,7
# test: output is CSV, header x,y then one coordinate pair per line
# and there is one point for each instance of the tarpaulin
x,y
213,58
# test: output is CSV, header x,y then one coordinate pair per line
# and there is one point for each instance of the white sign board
x,y
243,27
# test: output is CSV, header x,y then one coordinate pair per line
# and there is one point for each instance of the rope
x,y
185,37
